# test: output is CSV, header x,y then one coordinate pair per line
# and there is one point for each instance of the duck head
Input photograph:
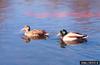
x,y
26,28
62,33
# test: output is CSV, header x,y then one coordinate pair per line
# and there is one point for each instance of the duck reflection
x,y
28,39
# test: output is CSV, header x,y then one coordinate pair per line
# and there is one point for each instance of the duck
x,y
33,33
73,37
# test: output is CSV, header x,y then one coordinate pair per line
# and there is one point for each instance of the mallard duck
x,y
72,36
33,33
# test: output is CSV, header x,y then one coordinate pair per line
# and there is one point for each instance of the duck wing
x,y
37,32
73,34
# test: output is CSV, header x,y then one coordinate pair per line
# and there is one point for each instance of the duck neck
x,y
29,28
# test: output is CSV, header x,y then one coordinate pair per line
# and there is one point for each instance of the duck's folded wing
x,y
37,31
74,35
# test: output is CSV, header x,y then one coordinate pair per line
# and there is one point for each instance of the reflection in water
x,y
27,39
83,10
14,52
81,6
80,9
29,2
3,9
83,13
79,16
58,5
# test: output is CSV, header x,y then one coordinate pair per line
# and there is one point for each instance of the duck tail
x,y
46,34
85,36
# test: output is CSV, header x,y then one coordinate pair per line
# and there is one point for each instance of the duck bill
x,y
22,30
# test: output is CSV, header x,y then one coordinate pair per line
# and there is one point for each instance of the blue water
x,y
51,15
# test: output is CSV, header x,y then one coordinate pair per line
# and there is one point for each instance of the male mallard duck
x,y
72,36
33,33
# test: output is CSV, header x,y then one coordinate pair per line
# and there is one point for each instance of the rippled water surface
x,y
51,15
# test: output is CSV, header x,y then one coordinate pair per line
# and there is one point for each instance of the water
x,y
51,15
